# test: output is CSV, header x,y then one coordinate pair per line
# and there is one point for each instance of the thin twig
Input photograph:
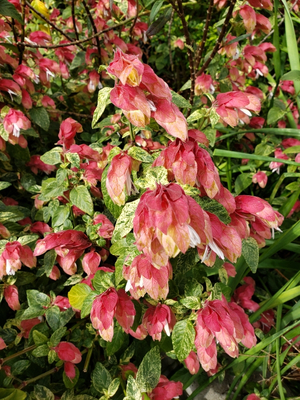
x,y
78,42
74,20
71,113
20,46
13,26
181,15
53,25
220,38
169,41
199,52
94,29
134,21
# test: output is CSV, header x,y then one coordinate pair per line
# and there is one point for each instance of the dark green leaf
x,y
36,298
183,338
155,9
78,61
49,261
87,304
250,251
50,189
20,366
9,10
81,198
53,317
149,371
33,312
57,336
40,117
242,182
214,207
117,341
157,25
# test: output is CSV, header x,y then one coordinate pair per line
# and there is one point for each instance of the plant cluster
x,y
138,222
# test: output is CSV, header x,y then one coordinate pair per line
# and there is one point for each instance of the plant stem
x,y
19,353
50,372
87,360
278,323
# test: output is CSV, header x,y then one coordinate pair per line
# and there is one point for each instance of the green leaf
x,y
292,149
3,132
183,338
39,338
77,294
155,10
70,383
78,61
74,159
103,280
237,154
291,76
27,239
66,316
60,215
20,366
57,336
191,302
40,117
132,390
274,114
87,304
81,198
113,208
117,341
50,189
53,317
214,207
125,221
196,115
103,101
113,387
3,157
12,394
4,185
53,156
36,298
149,370
180,101
101,378
49,261
153,176
250,251
41,351
140,154
9,10
238,39
157,25
33,312
242,182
